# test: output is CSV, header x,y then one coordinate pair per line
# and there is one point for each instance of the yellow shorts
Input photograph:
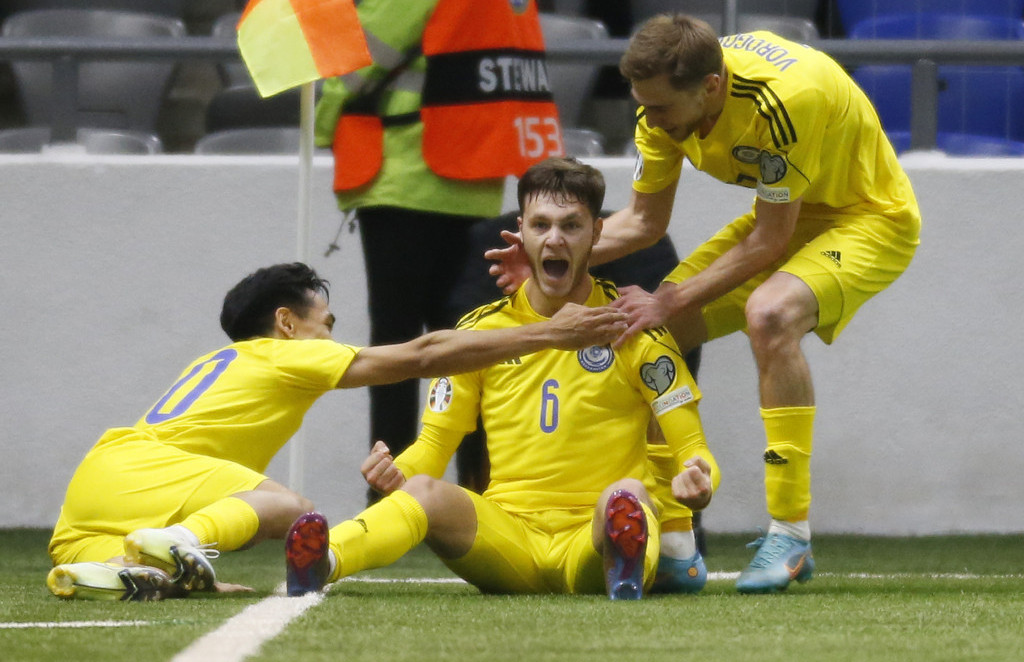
x,y
845,260
549,552
137,484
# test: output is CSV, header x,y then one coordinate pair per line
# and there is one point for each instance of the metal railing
x,y
924,55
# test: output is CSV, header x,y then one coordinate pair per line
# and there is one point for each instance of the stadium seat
x,y
938,26
116,94
853,12
961,144
791,27
35,139
174,8
980,101
972,101
582,142
644,9
571,83
251,140
226,28
241,106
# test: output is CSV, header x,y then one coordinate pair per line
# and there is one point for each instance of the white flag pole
x,y
296,458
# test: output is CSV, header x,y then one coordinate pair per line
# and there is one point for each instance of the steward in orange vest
x,y
486,106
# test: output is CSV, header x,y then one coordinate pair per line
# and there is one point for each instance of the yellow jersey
x,y
794,125
244,401
561,425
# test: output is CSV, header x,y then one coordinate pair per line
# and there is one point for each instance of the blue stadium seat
x,y
852,12
938,26
987,101
983,102
960,144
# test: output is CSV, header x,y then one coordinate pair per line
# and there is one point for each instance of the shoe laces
x,y
206,549
770,548
209,550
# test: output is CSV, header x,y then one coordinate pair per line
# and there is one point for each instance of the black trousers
x,y
415,274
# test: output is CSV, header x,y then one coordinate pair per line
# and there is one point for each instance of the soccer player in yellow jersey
x,y
150,503
567,509
834,222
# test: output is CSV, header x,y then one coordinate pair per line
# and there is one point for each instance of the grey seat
x,y
791,27
234,72
571,83
582,142
644,9
251,140
33,139
113,94
241,106
174,8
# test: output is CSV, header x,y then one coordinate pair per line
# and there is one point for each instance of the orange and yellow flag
x,y
285,43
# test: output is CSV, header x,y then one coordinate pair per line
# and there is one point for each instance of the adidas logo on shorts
x,y
772,457
835,256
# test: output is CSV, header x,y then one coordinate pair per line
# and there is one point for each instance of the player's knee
x,y
771,323
278,510
440,499
631,485
423,488
303,505
289,505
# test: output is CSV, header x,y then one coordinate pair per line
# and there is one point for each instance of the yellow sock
x,y
378,536
230,523
787,473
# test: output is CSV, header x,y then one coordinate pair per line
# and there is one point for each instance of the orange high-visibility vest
x,y
487,109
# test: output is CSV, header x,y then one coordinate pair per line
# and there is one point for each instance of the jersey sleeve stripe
x,y
769,101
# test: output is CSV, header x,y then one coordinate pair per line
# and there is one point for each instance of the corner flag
x,y
285,43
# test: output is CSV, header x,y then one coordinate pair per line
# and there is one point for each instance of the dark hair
x,y
566,179
249,306
683,47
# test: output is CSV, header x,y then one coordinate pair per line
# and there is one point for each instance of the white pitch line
x,y
71,624
244,634
404,580
715,576
915,575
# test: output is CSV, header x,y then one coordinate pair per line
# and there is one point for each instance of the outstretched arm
x,y
765,244
450,352
639,225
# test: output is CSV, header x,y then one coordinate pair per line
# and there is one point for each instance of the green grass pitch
x,y
873,598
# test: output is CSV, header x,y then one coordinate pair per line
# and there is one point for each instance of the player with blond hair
x,y
834,222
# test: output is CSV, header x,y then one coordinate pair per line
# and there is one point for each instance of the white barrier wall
x,y
114,269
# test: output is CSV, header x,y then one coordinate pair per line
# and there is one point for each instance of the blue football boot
x,y
779,560
680,576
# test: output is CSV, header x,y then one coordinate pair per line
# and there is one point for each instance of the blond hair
x,y
681,46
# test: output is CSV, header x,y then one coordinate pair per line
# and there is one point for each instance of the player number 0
x,y
220,362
